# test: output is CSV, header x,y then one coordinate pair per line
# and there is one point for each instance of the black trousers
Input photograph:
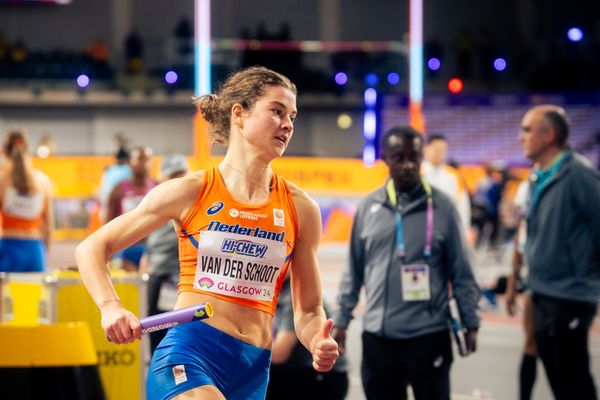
x,y
297,383
561,332
390,365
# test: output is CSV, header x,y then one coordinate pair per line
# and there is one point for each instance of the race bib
x,y
27,207
237,265
415,282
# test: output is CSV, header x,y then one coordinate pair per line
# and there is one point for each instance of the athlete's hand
x,y
324,349
119,324
339,335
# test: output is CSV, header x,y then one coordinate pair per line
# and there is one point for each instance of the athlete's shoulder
x,y
196,177
305,205
298,194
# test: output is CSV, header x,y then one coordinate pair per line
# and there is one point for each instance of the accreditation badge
x,y
415,282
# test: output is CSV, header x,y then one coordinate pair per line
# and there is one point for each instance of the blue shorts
x,y
22,255
133,254
196,354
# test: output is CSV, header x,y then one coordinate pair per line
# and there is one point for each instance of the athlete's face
x,y
269,125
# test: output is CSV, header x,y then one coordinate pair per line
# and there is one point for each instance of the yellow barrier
x,y
61,297
49,362
63,344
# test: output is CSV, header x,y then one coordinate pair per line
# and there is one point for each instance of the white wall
x,y
72,132
92,131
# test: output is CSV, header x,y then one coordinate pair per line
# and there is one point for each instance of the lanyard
x,y
400,247
540,179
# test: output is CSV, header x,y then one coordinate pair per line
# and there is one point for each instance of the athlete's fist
x,y
324,349
120,325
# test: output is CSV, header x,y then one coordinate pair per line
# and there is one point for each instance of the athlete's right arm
x,y
170,200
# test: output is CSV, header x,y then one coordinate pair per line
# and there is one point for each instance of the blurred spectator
x,y
528,366
27,209
445,178
126,196
292,375
161,257
184,36
18,53
112,176
134,52
98,51
562,250
487,203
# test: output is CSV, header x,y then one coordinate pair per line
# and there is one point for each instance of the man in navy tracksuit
x,y
562,250
407,245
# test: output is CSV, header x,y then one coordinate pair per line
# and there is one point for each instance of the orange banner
x,y
79,176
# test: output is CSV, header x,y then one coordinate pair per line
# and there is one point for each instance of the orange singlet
x,y
234,251
22,212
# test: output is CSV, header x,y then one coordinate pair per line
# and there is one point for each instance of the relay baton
x,y
177,317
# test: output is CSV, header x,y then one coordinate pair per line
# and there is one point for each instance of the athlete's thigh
x,y
205,392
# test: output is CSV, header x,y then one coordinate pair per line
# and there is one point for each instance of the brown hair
x,y
244,87
15,147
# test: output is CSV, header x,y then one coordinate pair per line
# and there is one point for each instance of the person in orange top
x,y
26,209
240,228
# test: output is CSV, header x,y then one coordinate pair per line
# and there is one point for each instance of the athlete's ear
x,y
237,113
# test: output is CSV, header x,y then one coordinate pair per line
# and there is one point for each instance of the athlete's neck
x,y
248,182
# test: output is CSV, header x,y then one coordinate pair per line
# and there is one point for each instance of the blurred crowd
x,y
552,63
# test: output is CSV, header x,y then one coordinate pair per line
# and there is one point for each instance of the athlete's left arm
x,y
312,326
